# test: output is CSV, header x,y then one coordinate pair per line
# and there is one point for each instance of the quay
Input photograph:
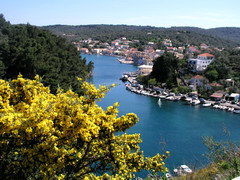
x,y
162,94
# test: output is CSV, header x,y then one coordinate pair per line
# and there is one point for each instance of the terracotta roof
x,y
197,77
206,54
218,94
215,84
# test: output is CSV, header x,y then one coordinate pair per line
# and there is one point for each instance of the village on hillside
x,y
197,58
122,47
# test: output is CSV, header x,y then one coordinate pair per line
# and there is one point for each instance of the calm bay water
x,y
174,126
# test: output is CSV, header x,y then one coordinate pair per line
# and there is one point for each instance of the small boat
x,y
171,98
168,176
188,99
195,102
206,104
237,111
216,106
182,170
163,97
230,109
124,78
159,102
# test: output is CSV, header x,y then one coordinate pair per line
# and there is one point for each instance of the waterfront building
x,y
167,42
83,50
234,97
96,51
145,70
196,81
200,63
217,96
214,86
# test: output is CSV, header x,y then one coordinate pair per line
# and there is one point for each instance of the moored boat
x,y
237,111
206,104
195,102
182,170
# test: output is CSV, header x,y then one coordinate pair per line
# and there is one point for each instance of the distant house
x,y
144,70
193,49
167,42
196,81
96,51
160,52
214,86
203,46
171,49
181,49
179,55
115,43
217,96
234,97
200,63
84,50
107,52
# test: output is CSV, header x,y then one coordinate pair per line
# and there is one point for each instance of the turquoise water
x,y
174,126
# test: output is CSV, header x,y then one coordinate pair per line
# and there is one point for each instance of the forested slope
x,y
29,50
217,37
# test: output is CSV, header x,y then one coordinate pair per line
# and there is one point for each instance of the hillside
x,y
28,50
217,37
228,33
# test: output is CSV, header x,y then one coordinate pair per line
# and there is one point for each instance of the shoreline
x,y
191,100
214,104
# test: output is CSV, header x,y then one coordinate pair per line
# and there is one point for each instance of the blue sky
x,y
160,13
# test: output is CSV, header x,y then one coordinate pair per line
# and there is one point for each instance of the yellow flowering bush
x,y
66,136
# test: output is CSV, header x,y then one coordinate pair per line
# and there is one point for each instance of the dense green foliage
x,y
165,69
226,65
29,50
228,33
180,36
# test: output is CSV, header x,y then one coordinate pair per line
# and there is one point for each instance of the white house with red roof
x,y
200,63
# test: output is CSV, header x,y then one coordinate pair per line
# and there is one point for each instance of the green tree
x,y
2,69
183,89
30,50
165,69
212,75
225,155
152,82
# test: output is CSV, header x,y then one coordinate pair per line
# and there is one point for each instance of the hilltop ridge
x,y
225,37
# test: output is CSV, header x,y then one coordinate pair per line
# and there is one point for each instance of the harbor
x,y
191,99
175,126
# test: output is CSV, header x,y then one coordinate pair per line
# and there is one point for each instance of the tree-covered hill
x,y
28,50
227,33
217,37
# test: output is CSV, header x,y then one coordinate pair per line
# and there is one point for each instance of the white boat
x,y
163,97
171,98
206,104
168,176
230,109
216,106
188,99
195,102
237,111
159,102
182,170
